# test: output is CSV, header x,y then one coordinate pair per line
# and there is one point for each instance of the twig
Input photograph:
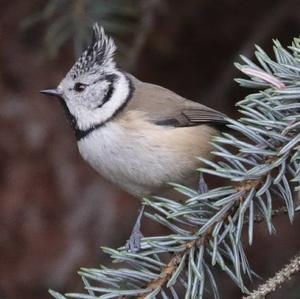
x,y
171,267
276,212
277,280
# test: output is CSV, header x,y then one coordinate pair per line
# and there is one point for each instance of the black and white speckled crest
x,y
99,54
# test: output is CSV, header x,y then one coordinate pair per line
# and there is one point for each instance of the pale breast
x,y
141,157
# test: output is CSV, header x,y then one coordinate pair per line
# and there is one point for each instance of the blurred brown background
x,y
55,211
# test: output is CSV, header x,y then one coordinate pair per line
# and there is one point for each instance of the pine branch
x,y
262,167
277,280
263,29
176,259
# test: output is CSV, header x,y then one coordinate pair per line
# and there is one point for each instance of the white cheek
x,y
96,94
80,98
92,98
86,99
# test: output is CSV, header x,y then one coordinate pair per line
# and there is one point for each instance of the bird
x,y
138,135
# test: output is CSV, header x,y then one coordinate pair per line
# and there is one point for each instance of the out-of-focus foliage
x,y
71,20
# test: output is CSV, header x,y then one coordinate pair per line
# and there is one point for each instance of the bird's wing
x,y
165,107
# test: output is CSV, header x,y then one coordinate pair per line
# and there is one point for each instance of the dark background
x,y
55,211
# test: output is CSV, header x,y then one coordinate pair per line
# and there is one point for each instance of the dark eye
x,y
79,87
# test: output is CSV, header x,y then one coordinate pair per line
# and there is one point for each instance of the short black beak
x,y
51,92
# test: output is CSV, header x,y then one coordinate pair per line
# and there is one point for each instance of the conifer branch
x,y
260,162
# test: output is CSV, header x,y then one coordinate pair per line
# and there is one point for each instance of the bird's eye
x,y
79,87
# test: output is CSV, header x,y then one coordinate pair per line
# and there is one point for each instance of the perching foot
x,y
134,242
202,188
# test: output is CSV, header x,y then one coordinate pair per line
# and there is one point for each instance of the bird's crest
x,y
99,54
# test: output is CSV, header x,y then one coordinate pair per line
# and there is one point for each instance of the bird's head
x,y
94,89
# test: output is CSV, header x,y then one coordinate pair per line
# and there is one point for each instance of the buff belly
x,y
141,161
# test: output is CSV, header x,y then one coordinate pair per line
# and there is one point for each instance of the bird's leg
x,y
202,188
134,242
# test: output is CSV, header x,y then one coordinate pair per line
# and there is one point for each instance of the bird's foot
x,y
202,188
134,242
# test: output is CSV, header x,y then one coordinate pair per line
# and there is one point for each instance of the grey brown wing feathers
x,y
194,117
204,115
164,107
